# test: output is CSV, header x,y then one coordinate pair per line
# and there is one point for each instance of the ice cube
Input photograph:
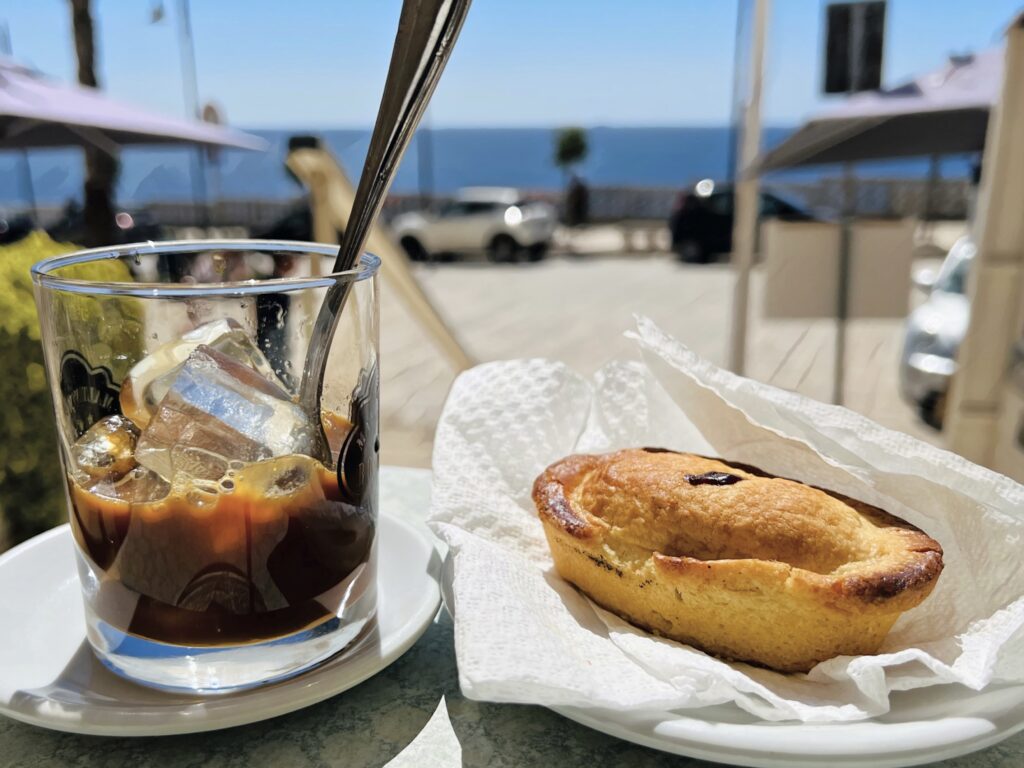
x,y
138,486
285,476
223,409
150,378
107,449
197,463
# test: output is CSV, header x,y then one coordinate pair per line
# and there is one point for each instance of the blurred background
x,y
794,189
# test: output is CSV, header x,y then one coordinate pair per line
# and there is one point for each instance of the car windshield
x,y
720,203
953,275
469,207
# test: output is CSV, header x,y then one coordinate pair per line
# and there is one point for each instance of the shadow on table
x,y
363,727
87,694
366,727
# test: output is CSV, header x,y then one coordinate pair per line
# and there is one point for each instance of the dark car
x,y
14,229
701,220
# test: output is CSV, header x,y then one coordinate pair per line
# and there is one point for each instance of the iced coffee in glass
x,y
225,536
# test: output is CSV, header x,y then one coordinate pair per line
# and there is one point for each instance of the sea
x,y
438,162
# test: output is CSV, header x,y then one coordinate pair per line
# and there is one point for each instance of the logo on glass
x,y
357,461
88,393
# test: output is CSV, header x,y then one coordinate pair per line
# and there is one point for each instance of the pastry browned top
x,y
682,507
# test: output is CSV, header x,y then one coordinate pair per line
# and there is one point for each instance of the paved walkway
x,y
575,309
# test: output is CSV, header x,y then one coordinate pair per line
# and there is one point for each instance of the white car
x,y
495,221
933,334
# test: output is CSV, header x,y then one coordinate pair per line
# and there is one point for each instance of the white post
x,y
744,232
977,399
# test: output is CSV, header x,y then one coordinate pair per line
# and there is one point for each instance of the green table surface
x,y
371,723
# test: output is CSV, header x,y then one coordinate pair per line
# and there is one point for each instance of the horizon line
x,y
510,127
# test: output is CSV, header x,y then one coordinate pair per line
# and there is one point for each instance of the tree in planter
x,y
101,168
571,150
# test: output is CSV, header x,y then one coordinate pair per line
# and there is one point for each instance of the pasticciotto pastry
x,y
734,561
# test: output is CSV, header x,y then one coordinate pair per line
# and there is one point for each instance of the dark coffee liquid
x,y
273,552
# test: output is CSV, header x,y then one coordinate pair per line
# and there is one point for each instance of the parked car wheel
x,y
414,249
537,251
691,252
503,249
932,410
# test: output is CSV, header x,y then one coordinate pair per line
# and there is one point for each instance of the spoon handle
x,y
427,30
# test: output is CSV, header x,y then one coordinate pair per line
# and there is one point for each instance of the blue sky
x,y
321,63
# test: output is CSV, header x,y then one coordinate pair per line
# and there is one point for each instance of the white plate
x,y
49,676
923,726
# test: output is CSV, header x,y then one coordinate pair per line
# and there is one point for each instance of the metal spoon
x,y
427,30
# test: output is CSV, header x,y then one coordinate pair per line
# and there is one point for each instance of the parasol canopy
x,y
38,112
942,112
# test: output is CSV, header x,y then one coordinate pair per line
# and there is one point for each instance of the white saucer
x,y
923,726
50,677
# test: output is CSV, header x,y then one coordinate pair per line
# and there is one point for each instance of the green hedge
x,y
31,482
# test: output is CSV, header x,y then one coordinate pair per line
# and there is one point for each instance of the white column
x,y
744,232
977,399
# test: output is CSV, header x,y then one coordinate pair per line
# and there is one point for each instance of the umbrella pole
x,y
927,225
425,162
934,176
190,84
847,213
30,188
200,192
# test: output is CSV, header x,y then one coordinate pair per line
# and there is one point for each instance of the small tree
x,y
570,148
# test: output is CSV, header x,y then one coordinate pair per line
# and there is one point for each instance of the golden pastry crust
x,y
732,560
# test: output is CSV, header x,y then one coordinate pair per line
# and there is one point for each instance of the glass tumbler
x,y
224,537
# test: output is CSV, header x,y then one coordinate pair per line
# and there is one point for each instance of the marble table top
x,y
373,723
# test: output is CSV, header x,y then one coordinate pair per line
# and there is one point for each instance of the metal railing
x,y
875,197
